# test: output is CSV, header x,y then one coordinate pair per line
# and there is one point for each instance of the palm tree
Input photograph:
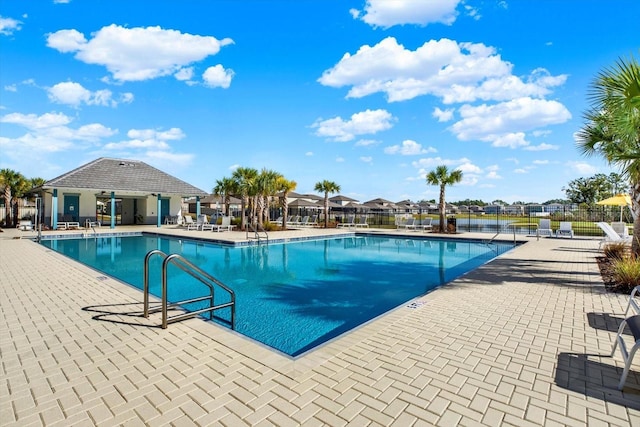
x,y
285,186
14,184
223,189
612,127
326,187
442,177
244,187
265,188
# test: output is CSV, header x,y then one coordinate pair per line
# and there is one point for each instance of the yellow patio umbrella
x,y
617,200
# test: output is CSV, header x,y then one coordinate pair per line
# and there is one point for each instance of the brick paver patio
x,y
519,341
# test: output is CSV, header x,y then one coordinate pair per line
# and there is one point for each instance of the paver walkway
x,y
517,342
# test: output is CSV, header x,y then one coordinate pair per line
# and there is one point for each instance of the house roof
x,y
121,175
341,198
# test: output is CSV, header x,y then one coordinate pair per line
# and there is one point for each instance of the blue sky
x,y
370,94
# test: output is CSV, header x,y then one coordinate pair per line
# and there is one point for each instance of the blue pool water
x,y
294,296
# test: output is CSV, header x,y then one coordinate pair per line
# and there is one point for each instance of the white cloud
x,y
520,170
11,88
385,13
365,122
366,142
452,71
540,162
136,54
9,25
408,148
184,74
443,115
582,168
309,153
366,159
511,140
340,159
492,122
217,76
170,159
74,94
49,132
469,168
542,147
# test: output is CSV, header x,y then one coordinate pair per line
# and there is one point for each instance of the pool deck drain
x,y
519,341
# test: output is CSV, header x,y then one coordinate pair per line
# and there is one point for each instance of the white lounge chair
x,y
425,224
363,222
410,224
294,220
565,229
25,225
544,228
621,228
610,235
350,222
633,323
225,225
198,224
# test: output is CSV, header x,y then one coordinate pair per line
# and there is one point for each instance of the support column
x,y
54,210
197,206
113,209
159,210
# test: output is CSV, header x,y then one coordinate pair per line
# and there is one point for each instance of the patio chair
x,y
198,224
565,229
188,220
425,224
351,222
25,225
633,323
620,228
544,228
363,222
294,220
410,224
610,235
225,225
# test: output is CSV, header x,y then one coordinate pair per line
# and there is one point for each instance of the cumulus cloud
x,y
409,148
385,13
363,123
136,54
9,25
542,147
452,71
217,76
582,168
366,142
74,94
50,132
508,120
366,159
443,115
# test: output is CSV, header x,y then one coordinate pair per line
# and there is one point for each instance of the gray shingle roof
x,y
123,175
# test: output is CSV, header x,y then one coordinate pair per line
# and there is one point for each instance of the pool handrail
x,y
197,273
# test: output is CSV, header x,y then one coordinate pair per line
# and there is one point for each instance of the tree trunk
x,y
635,208
442,209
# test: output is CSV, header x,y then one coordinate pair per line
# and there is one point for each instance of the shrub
x,y
615,251
627,272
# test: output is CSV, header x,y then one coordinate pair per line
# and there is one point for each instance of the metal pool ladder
x,y
197,273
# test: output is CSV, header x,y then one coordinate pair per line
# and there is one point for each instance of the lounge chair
x,y
363,222
304,221
610,234
633,323
425,224
565,229
621,228
544,228
294,220
25,225
350,222
225,225
313,222
198,224
188,220
277,221
410,224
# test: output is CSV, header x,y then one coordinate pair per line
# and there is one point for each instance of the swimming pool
x,y
294,296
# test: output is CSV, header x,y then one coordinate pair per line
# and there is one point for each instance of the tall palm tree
x,y
612,127
223,189
442,177
14,184
266,188
244,187
285,186
326,187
